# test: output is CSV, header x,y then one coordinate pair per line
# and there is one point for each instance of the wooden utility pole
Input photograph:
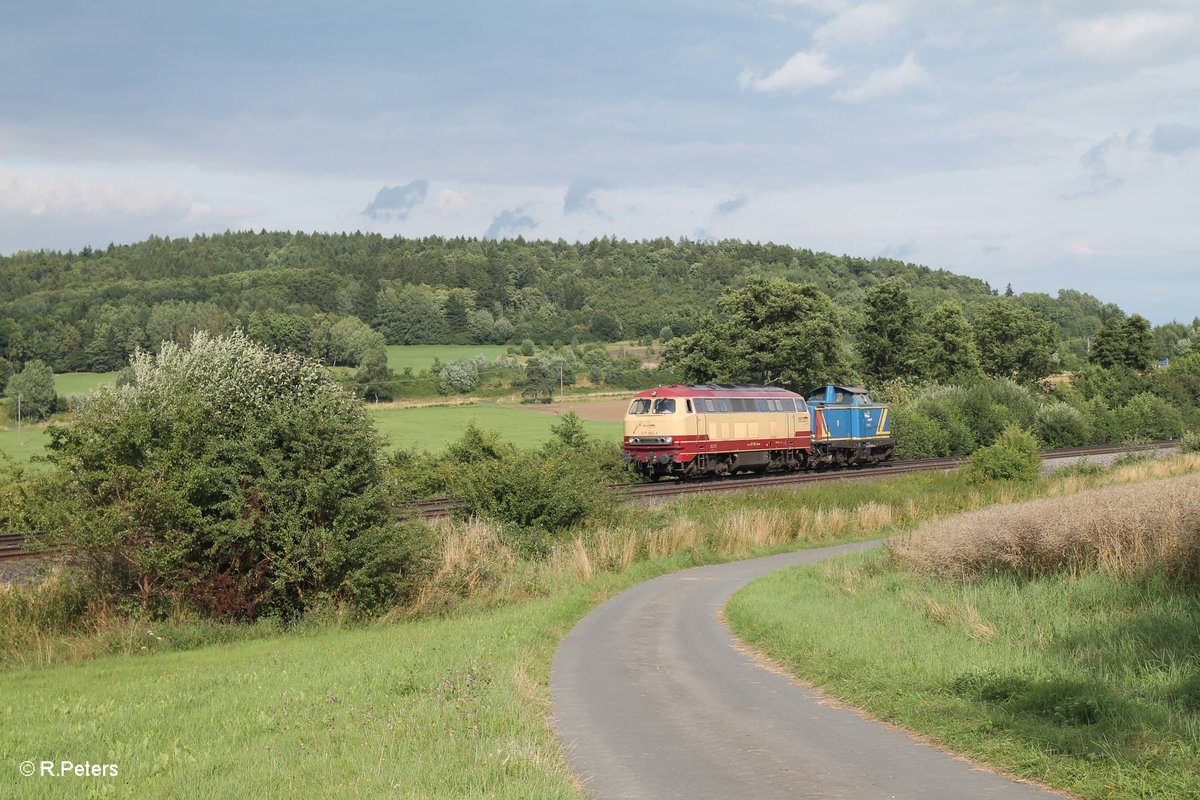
x,y
20,441
560,383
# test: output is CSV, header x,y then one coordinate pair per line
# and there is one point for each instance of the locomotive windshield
x,y
664,405
640,406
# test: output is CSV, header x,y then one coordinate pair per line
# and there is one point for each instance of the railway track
x,y
13,544
741,483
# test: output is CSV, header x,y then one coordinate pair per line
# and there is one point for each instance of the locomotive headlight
x,y
668,439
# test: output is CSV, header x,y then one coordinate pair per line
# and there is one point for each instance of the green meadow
x,y
77,383
34,439
416,429
420,356
431,429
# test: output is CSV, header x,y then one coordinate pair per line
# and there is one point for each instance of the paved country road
x,y
652,700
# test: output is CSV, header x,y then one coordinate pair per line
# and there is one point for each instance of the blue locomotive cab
x,y
849,427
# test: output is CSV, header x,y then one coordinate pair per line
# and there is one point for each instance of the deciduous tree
x,y
1013,342
770,330
32,389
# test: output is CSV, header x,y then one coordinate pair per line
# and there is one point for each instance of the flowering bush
x,y
231,479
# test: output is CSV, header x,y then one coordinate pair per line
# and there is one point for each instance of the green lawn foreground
x,y
1083,682
452,708
435,707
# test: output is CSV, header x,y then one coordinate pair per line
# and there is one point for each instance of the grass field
x,y
454,706
417,429
1082,675
35,440
420,356
438,708
76,383
433,428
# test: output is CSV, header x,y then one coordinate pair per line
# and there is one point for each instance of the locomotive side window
x,y
665,405
689,406
723,404
763,405
640,406
801,406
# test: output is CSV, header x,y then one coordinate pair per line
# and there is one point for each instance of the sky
x,y
1048,145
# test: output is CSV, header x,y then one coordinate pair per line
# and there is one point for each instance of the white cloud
x,y
1124,35
891,80
450,202
804,70
1078,247
858,25
41,197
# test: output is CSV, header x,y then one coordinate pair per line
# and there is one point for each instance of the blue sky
x,y
1050,145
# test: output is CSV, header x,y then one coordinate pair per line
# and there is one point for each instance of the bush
x,y
1190,442
232,480
1105,423
1013,457
1060,425
917,436
542,495
1147,416
957,435
993,404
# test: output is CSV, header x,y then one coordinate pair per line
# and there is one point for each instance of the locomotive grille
x,y
650,440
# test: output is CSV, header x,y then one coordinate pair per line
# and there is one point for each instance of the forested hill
x,y
88,310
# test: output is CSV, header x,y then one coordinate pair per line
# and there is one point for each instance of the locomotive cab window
x,y
664,405
640,406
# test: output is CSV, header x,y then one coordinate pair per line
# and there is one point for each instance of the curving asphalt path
x,y
652,700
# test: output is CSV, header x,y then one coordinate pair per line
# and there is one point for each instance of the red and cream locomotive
x,y
719,429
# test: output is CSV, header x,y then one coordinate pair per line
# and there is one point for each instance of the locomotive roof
x,y
717,390
841,387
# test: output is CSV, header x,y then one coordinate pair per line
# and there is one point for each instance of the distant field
x,y
411,428
69,383
433,428
420,356
35,439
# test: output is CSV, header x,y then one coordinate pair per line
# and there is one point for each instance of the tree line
x,y
320,294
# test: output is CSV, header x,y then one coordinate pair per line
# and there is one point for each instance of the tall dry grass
x,y
1131,530
475,563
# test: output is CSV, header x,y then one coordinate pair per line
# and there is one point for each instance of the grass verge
x,y
447,699
1078,669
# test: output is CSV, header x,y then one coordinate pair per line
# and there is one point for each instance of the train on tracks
x,y
720,429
